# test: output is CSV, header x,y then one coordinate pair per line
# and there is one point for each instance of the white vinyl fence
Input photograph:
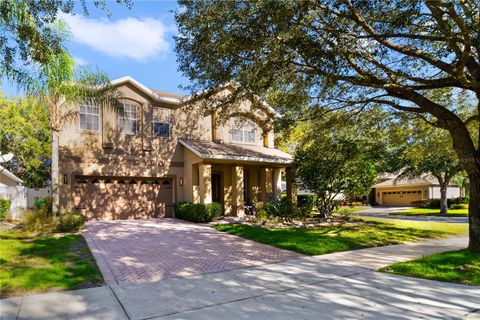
x,y
22,198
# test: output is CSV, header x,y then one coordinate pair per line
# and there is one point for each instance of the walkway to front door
x,y
129,251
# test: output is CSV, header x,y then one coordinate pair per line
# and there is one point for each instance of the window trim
x,y
120,117
98,115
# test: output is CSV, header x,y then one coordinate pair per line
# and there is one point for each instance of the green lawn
x,y
431,212
351,209
456,266
31,264
326,239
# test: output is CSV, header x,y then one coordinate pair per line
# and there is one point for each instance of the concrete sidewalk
x,y
340,285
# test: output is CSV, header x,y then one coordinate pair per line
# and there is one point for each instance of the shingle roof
x,y
237,152
428,180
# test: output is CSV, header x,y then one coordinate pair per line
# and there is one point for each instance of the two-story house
x,y
166,148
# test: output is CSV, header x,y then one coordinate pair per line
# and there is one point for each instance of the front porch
x,y
234,175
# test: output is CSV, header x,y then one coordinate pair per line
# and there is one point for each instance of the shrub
x,y
459,206
39,221
305,204
197,212
434,203
71,221
281,209
421,203
261,214
43,203
4,206
356,203
459,200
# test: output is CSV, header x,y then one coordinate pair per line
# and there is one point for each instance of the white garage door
x,y
401,198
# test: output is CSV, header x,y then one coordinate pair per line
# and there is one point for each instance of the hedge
x,y
4,206
71,221
197,212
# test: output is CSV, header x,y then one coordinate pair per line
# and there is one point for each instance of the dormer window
x,y
161,124
89,116
128,122
244,133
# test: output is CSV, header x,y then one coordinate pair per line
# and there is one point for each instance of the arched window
x,y
244,131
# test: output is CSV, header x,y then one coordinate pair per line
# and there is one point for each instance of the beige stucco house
x,y
166,148
402,192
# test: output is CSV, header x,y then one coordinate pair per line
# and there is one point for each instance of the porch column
x,y
291,188
263,184
205,175
237,191
277,183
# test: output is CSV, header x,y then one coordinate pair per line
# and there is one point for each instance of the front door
x,y
216,188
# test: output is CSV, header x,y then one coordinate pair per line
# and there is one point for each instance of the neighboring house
x,y
21,197
401,192
9,179
164,149
11,189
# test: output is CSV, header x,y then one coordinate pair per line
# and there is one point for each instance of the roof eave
x,y
146,90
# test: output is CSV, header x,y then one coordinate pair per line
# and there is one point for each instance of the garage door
x,y
401,198
106,198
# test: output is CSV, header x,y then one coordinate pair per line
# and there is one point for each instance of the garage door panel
x,y
401,198
122,198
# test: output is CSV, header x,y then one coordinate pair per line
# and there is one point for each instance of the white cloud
x,y
79,61
132,38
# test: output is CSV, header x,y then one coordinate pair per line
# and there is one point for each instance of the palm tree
x,y
61,86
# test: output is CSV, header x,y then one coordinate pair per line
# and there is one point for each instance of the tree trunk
x,y
55,174
474,213
443,198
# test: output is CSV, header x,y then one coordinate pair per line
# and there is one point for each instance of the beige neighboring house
x,y
168,148
402,192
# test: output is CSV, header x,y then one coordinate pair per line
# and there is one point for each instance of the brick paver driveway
x,y
129,251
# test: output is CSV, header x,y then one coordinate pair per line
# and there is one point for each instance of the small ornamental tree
x,y
333,165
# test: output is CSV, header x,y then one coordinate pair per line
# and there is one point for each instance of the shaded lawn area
x,y
32,264
332,238
431,212
455,266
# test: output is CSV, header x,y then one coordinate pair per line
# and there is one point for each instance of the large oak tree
x,y
345,54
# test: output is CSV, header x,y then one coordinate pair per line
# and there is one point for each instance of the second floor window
x,y
89,117
161,123
245,133
128,122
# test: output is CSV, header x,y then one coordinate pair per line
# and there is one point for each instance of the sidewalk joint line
x,y
121,305
19,307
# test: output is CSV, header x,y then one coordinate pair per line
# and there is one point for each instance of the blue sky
x,y
137,42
